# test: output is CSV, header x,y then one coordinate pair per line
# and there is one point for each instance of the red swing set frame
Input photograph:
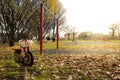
x,y
41,29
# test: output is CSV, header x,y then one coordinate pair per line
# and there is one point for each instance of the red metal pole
x,y
57,42
41,28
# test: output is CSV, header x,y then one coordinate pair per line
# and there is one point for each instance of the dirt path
x,y
103,51
81,51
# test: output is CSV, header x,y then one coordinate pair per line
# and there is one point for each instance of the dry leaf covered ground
x,y
84,60
81,61
79,67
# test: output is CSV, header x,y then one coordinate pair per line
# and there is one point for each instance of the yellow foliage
x,y
51,5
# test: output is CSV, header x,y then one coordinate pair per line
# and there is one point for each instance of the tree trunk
x,y
11,40
68,36
113,34
11,43
73,36
4,40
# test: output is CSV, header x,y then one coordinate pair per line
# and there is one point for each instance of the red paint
x,y
57,42
41,28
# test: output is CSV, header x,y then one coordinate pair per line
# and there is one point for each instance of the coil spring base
x,y
22,62
22,72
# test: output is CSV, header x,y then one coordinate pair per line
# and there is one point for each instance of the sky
x,y
92,15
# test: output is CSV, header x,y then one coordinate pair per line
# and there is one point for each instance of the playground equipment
x,y
23,57
42,8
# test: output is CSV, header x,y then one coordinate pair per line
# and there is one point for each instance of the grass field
x,y
66,66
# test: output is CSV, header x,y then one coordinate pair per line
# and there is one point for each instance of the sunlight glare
x,y
92,15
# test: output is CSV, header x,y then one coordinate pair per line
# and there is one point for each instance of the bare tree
x,y
54,14
113,28
21,17
70,30
118,31
16,18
